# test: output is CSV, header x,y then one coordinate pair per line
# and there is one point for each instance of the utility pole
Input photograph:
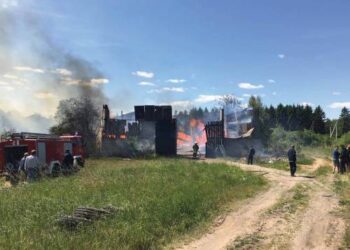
x,y
335,129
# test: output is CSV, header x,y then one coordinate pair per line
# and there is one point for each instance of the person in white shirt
x,y
32,167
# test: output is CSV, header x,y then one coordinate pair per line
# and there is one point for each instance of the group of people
x,y
30,165
341,159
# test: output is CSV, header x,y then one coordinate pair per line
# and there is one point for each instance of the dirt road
x,y
294,213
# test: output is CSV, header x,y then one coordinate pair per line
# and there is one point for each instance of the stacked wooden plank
x,y
85,215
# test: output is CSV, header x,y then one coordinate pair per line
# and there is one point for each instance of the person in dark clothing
x,y
336,163
343,159
251,155
195,150
67,163
348,158
292,157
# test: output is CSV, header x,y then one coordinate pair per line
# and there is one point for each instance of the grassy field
x,y
342,187
162,200
283,164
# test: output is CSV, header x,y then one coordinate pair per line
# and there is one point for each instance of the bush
x,y
281,140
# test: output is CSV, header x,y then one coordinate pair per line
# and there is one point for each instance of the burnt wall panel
x,y
166,137
139,112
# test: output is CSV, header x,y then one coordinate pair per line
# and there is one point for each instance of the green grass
x,y
277,164
304,160
163,200
296,198
342,187
323,171
283,164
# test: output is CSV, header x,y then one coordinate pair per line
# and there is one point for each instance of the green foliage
x,y
163,199
281,140
77,115
344,140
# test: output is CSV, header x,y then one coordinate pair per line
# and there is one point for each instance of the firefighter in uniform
x,y
251,155
195,150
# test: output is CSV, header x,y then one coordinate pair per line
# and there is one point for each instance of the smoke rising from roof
x,y
36,73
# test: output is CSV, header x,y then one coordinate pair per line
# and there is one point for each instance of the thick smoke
x,y
36,73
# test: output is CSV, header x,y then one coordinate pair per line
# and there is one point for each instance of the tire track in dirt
x,y
302,231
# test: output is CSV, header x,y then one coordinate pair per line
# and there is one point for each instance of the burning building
x,y
231,135
152,131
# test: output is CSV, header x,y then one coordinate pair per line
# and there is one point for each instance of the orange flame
x,y
197,134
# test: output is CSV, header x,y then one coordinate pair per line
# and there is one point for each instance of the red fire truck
x,y
50,148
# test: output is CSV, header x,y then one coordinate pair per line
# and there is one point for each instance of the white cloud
x,y
63,72
8,3
176,80
307,104
274,93
246,85
6,86
146,84
207,98
143,74
173,89
44,95
271,81
336,93
15,79
339,105
246,95
166,89
12,77
281,56
99,81
29,69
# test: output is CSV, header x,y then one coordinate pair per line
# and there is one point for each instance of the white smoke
x,y
36,73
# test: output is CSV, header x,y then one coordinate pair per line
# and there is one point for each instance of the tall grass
x,y
163,199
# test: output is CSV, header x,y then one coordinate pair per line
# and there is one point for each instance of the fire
x,y
196,133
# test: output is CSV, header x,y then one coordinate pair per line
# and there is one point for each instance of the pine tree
x,y
344,120
319,125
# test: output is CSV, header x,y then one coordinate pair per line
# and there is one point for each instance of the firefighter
x,y
251,155
343,159
32,166
195,150
67,163
292,157
336,163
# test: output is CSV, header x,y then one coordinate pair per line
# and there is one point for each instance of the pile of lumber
x,y
86,215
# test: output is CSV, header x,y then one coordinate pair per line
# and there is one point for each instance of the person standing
x,y
336,164
343,158
68,161
348,157
292,157
21,171
251,155
195,149
32,166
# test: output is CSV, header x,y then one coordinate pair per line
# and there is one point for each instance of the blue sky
x,y
188,52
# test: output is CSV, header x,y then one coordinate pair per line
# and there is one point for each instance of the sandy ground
x,y
316,226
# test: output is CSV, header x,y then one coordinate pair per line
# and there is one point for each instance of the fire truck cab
x,y
50,148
